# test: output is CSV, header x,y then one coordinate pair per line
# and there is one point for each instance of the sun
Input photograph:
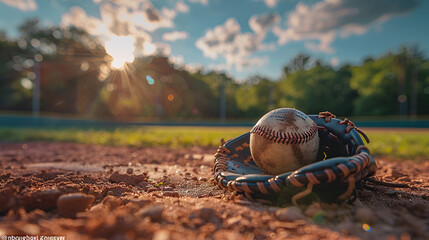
x,y
121,49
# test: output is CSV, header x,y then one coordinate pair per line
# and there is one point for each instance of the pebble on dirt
x,y
7,198
170,194
70,204
112,202
289,214
134,180
208,215
313,209
365,215
154,212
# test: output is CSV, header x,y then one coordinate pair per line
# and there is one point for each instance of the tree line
x,y
72,69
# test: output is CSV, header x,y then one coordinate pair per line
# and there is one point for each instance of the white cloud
x,y
204,2
182,7
146,17
220,40
127,18
147,48
235,47
162,49
324,45
260,24
271,3
174,36
351,28
194,67
78,17
23,5
177,60
323,21
134,5
334,61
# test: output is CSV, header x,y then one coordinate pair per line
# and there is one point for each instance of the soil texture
x,y
102,192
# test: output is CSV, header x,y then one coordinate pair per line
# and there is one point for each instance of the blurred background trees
x,y
317,88
75,77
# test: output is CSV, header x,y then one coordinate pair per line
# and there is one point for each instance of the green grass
x,y
402,144
131,136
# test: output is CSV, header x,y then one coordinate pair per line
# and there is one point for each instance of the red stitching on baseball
x,y
285,138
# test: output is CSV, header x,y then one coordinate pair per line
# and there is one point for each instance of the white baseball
x,y
284,140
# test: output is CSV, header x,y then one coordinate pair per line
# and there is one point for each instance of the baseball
x,y
284,140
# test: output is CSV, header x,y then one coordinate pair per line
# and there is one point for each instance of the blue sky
x,y
240,37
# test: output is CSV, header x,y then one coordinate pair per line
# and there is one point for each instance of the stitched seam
x,y
285,138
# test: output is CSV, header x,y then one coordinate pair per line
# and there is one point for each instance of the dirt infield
x,y
101,192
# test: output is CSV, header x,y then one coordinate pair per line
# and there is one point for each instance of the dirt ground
x,y
101,192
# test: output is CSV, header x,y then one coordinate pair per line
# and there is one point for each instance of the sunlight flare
x,y
121,49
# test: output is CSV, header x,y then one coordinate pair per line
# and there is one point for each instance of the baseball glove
x,y
343,162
